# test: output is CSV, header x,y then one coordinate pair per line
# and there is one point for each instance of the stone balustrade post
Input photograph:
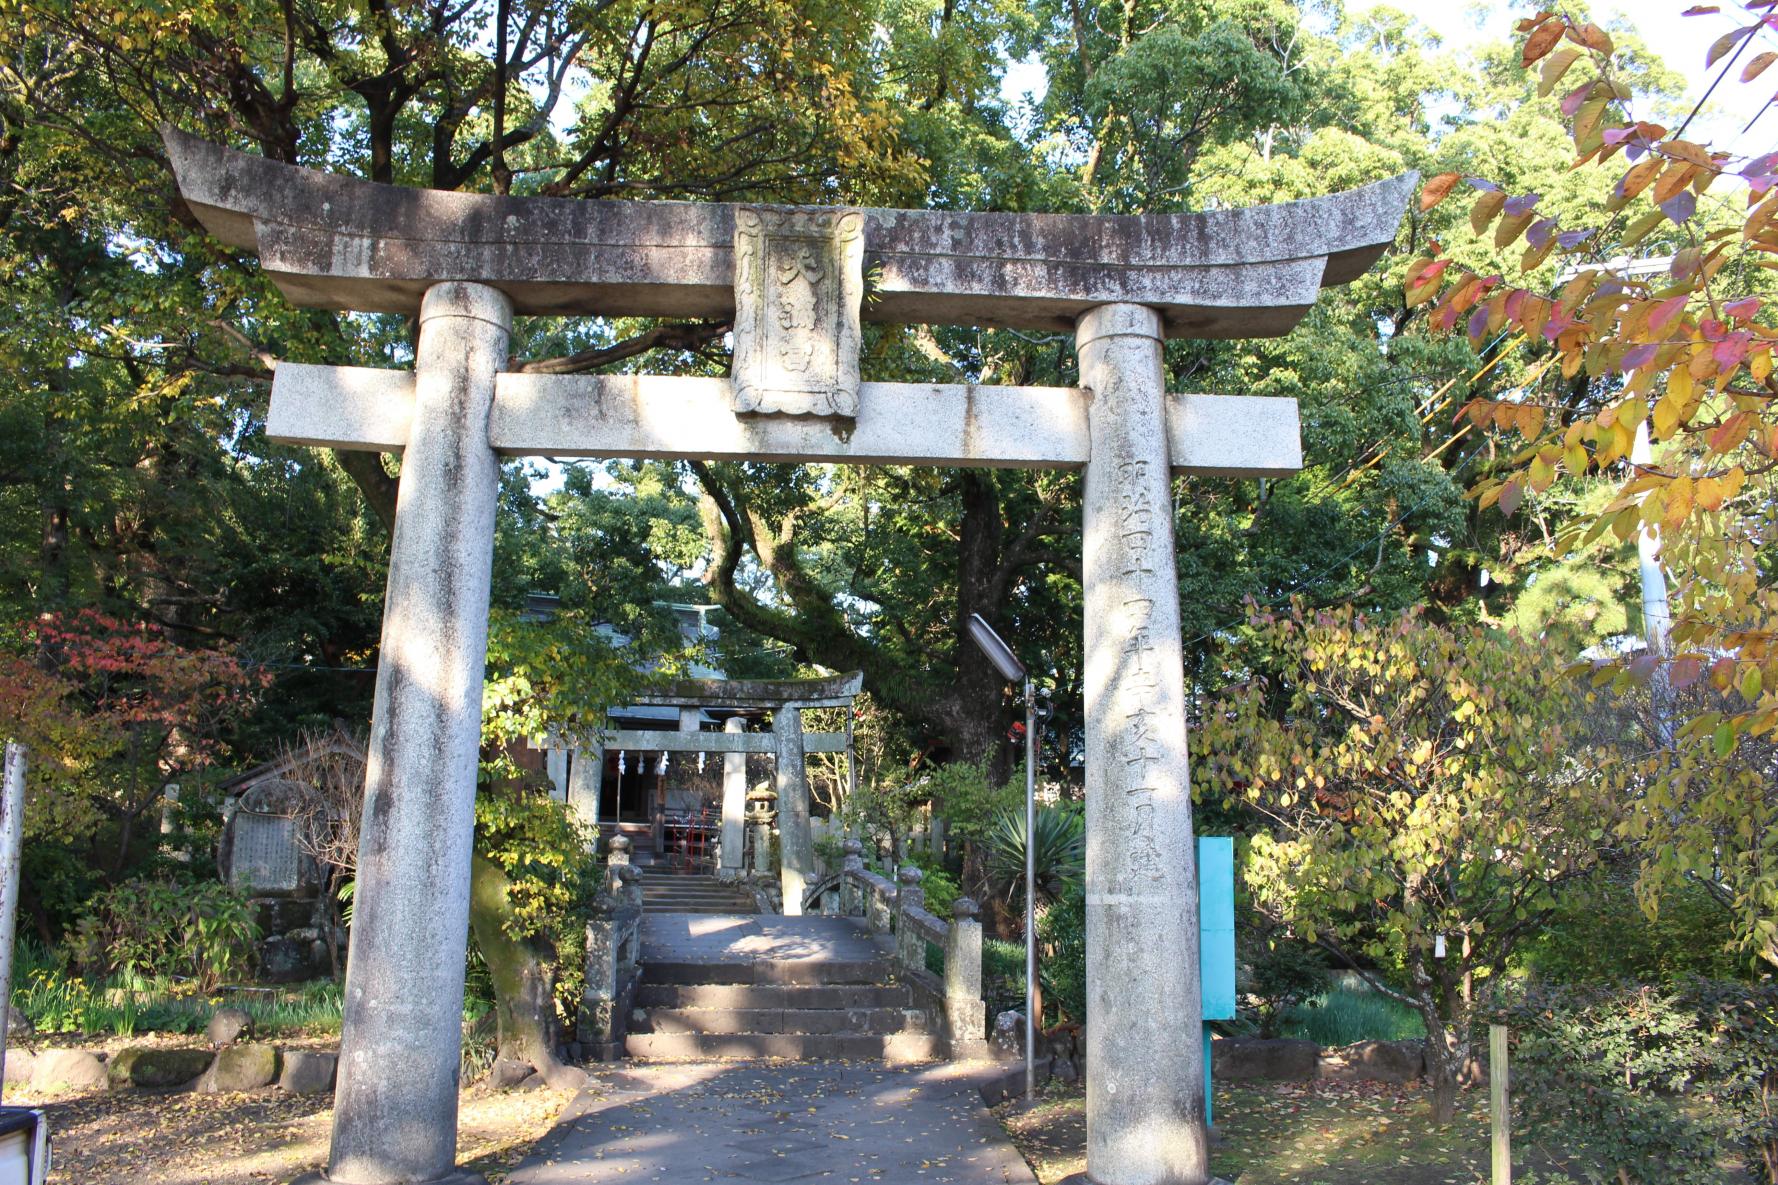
x,y
910,946
851,872
966,1013
403,1002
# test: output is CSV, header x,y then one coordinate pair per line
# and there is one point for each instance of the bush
x,y
202,930
1692,935
1655,1083
1284,974
1059,852
1062,957
940,886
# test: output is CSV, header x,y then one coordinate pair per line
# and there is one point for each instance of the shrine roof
x,y
338,242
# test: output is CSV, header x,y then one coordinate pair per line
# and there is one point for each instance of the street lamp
x,y
1013,671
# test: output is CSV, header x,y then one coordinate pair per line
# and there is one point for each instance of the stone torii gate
x,y
793,281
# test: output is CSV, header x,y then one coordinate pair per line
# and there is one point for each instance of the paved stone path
x,y
777,1122
757,938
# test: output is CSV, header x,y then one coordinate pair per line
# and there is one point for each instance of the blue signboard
x,y
1216,940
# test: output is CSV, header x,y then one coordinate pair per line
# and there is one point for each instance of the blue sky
x,y
1682,41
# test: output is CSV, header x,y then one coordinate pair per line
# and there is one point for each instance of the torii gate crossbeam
x,y
793,281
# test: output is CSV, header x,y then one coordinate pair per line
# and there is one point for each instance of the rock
x,y
1238,1059
18,1025
1008,1040
508,1072
241,1067
533,1081
68,1069
229,1025
1063,1068
156,1067
282,960
1375,1061
20,1063
307,1071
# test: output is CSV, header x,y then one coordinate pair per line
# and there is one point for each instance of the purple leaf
x,y
1478,322
1680,206
1540,231
1637,356
1747,306
1482,183
1570,239
1618,135
1573,99
1523,204
1760,165
1730,353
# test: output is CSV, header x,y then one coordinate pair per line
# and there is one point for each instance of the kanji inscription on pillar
x,y
799,284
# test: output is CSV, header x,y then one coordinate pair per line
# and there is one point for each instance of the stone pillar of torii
x,y
793,281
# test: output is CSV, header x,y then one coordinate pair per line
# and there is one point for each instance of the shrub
x,y
940,886
1059,850
1062,965
1284,974
1656,1083
203,930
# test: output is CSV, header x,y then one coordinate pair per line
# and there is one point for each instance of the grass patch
x,y
56,1000
1351,1011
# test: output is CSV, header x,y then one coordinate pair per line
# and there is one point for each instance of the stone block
x,y
241,1067
20,1064
68,1069
1258,1060
1009,1081
307,1071
1008,1039
157,1067
1374,1061
229,1025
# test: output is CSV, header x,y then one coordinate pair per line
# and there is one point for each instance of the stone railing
x,y
952,991
613,953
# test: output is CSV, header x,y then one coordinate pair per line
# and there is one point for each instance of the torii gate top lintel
x,y
332,241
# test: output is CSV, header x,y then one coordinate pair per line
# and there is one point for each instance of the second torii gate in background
x,y
793,280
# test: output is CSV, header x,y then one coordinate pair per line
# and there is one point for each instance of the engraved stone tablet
x,y
799,282
266,858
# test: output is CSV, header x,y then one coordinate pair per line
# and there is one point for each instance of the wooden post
x,y
12,842
1498,1109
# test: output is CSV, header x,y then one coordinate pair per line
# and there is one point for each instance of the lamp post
x,y
1013,671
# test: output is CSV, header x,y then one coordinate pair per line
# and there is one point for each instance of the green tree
x,y
1418,792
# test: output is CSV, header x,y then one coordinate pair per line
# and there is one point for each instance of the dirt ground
x,y
1318,1133
170,1138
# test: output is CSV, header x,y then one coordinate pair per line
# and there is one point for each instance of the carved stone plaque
x,y
799,282
266,858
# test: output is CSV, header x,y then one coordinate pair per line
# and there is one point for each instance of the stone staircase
x,y
807,989
666,891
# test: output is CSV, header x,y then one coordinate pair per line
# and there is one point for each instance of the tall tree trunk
x,y
524,983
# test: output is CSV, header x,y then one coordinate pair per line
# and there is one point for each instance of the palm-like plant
x,y
1059,845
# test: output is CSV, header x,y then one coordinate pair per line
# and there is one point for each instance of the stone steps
x,y
865,1022
791,971
665,892
893,1048
744,996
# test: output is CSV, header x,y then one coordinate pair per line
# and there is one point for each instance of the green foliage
x,y
1691,934
968,799
936,882
1411,781
1284,973
56,999
203,930
1347,1012
1058,851
1062,962
1656,1083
